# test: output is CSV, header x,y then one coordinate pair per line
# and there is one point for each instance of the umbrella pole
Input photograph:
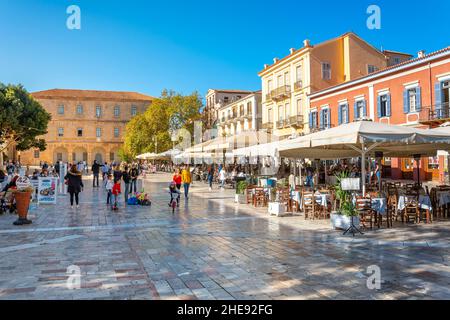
x,y
363,169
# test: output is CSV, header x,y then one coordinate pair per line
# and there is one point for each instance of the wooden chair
x,y
310,206
249,193
284,197
260,199
364,208
392,208
411,209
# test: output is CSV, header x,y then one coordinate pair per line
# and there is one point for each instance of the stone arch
x,y
60,154
99,154
79,154
113,155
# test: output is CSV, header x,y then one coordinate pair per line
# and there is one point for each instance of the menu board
x,y
47,190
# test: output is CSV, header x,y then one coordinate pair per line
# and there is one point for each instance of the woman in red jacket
x,y
177,178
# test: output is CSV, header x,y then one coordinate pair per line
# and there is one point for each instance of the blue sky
x,y
147,46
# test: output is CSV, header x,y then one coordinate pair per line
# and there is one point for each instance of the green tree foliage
x,y
22,119
170,112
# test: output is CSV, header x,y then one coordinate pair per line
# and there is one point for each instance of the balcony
x,y
267,126
280,93
248,115
296,121
435,115
298,85
281,124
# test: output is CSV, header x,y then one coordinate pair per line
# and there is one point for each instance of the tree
x,y
22,120
152,130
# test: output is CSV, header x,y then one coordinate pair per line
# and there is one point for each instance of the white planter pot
x,y
339,221
276,208
240,198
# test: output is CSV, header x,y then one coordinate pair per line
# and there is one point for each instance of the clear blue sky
x,y
184,45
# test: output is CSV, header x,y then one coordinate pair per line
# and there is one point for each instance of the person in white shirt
x,y
222,177
109,186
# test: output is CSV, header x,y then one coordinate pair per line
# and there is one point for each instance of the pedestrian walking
x,y
222,177
187,180
74,184
109,186
105,170
177,178
210,176
95,172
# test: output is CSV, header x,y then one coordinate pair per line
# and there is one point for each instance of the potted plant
x,y
275,206
23,195
342,219
240,196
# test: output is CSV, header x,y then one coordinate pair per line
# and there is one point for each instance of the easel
x,y
349,185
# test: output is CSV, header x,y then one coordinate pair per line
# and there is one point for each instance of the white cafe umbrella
x,y
350,140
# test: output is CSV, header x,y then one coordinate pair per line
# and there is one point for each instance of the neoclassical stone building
x,y
85,125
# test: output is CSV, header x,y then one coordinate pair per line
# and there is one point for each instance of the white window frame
x,y
360,108
133,111
412,96
343,104
98,111
60,132
287,110
299,76
98,132
61,109
383,95
281,114
116,132
80,109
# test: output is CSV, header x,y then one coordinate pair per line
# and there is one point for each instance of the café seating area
x,y
396,203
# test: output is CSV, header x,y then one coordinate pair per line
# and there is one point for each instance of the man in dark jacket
x,y
95,171
134,173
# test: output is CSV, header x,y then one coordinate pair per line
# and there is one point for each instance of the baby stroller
x,y
7,203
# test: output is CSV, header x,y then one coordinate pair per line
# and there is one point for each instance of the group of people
x,y
182,176
112,174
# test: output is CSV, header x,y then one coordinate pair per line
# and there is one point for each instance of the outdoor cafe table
x,y
443,197
424,203
379,205
321,198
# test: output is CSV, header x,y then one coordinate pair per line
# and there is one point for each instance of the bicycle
x,y
174,200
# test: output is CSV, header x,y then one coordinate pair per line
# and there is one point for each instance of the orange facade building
x,y
86,125
413,93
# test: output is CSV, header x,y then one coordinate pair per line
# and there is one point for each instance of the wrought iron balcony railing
x,y
279,93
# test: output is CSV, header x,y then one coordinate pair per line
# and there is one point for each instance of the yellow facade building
x,y
287,83
86,124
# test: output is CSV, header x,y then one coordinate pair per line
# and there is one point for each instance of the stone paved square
x,y
211,248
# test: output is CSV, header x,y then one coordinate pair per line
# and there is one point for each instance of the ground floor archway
x,y
60,154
